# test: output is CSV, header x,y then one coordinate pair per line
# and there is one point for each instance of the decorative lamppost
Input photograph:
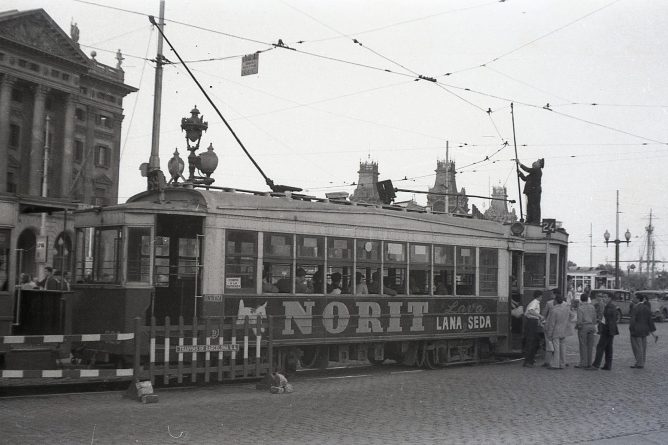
x,y
627,235
206,162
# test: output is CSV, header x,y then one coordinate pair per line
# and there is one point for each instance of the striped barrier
x,y
66,373
32,340
40,339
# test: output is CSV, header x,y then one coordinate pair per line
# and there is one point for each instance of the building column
x,y
37,141
68,148
5,102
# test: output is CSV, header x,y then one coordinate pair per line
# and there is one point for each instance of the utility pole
x,y
650,253
591,246
447,176
41,265
154,160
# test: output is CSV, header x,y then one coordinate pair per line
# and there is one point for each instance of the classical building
x,y
62,109
445,183
366,190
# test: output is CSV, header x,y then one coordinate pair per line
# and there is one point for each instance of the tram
x,y
339,280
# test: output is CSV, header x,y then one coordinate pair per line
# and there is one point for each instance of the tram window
x,y
188,257
278,260
368,251
420,260
553,269
534,270
444,269
339,277
465,271
368,279
489,271
105,255
310,246
161,246
277,245
280,275
4,259
394,272
339,249
308,278
139,254
241,262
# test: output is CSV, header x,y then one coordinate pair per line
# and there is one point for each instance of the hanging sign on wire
x,y
249,64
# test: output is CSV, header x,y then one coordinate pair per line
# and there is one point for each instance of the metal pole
x,y
617,244
517,164
45,184
154,160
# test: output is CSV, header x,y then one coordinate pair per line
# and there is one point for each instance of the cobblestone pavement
x,y
504,403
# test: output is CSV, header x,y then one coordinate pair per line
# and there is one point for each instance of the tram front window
x,y
98,254
139,254
4,259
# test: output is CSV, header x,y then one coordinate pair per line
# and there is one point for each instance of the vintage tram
x,y
338,280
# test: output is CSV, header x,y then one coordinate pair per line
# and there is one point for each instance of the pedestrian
x,y
545,312
49,282
607,329
532,318
556,331
641,325
586,326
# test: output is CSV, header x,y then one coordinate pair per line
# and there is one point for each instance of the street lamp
x,y
627,235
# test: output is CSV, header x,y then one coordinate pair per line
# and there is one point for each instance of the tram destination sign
x,y
207,348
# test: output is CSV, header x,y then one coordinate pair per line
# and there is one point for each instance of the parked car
x,y
620,297
658,300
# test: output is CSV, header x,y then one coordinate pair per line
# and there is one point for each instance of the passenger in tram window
x,y
317,283
387,290
442,289
362,288
267,285
284,285
302,286
336,284
27,282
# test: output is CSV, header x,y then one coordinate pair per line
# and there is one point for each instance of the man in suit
x,y
641,325
607,329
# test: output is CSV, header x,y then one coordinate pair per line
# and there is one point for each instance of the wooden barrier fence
x,y
184,352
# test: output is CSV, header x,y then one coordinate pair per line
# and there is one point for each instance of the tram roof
x,y
228,201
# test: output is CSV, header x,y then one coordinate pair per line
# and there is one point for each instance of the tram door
x,y
177,248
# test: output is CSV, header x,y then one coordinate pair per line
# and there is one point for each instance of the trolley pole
x,y
41,265
517,164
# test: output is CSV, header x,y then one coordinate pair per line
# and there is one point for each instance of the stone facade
x,y
366,190
445,183
55,100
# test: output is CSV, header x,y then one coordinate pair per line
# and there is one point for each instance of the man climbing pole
x,y
532,188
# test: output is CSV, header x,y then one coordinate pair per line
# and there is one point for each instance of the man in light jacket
x,y
556,329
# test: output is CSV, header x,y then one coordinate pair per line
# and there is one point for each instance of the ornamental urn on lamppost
x,y
207,163
193,126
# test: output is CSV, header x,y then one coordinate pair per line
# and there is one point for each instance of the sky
x,y
395,81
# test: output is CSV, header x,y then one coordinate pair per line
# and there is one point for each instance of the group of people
x,y
558,319
335,287
53,280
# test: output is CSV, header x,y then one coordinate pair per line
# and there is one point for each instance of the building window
x,y
80,114
55,73
102,155
11,182
34,67
23,63
104,121
78,151
66,77
14,136
17,95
